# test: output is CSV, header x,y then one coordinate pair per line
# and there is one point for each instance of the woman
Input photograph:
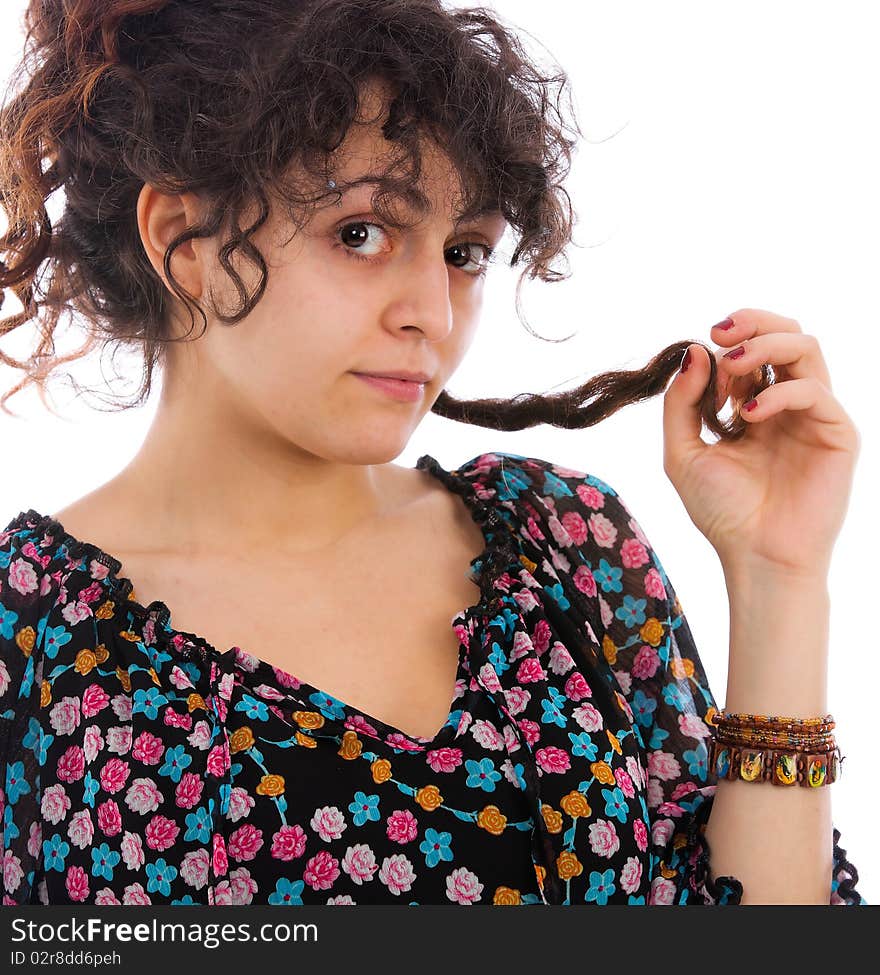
x,y
384,726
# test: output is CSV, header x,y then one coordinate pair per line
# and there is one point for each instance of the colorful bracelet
x,y
781,767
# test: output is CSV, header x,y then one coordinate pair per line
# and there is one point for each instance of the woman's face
x,y
345,295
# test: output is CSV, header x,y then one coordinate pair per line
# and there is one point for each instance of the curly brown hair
x,y
219,98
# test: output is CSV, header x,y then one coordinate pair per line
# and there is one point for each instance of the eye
x,y
355,237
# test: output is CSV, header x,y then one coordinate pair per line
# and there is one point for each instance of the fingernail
x,y
736,353
686,360
727,324
748,407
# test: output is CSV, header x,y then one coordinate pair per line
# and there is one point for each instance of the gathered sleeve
x,y
28,590
648,644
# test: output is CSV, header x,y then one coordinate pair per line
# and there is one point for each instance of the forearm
x,y
776,841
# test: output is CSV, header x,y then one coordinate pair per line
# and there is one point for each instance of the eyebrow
x,y
488,210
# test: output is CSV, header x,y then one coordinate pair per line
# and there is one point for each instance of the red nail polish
x,y
686,360
726,325
736,353
748,407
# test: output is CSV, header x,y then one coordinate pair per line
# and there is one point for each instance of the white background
x,y
730,160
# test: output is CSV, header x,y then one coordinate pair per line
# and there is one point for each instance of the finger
x,y
800,354
808,395
682,420
749,322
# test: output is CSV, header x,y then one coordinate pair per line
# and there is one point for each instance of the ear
x,y
161,217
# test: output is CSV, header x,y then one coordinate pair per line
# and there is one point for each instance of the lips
x,y
408,376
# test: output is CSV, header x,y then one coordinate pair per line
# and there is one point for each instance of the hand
x,y
775,499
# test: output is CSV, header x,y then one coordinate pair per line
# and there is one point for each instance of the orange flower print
x,y
241,739
84,661
609,649
552,818
270,785
506,895
381,769
613,740
652,632
492,820
351,746
575,804
602,771
309,719
429,798
25,639
568,865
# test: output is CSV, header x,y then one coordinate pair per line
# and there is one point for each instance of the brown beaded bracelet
x,y
772,740
779,766
778,723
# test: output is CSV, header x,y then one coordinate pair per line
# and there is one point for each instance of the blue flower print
x,y
328,705
103,861
632,612
198,825
658,736
615,804
37,740
674,697
160,875
7,618
608,576
364,808
148,702
254,709
582,745
436,846
482,774
90,789
498,659
287,892
553,708
54,852
176,760
601,886
698,761
16,782
186,899
54,640
643,707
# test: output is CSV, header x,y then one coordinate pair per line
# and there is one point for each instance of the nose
x,y
421,296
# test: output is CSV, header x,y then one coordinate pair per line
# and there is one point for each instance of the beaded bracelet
x,y
781,767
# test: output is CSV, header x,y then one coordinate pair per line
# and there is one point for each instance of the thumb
x,y
682,422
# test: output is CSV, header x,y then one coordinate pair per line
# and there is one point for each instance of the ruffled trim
x,y
696,878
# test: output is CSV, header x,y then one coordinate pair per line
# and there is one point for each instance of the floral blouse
x,y
141,765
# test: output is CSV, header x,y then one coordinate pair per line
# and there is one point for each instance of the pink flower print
x,y
71,764
143,796
561,661
194,868
584,580
444,759
631,875
245,842
522,646
636,529
661,831
530,730
93,742
359,863
557,530
663,765
553,759
328,822
161,832
575,526
358,723
35,839
243,886
218,760
201,736
487,735
65,715
12,873
662,891
77,883
636,772
489,678
604,530
189,790
341,899
80,829
511,740
591,496
175,720
106,898
136,896
94,700
541,637
219,859
534,530
604,841
525,599
624,782
640,832
397,873
645,663
288,843
132,850
669,809
588,717
114,775
241,802
682,789
463,887
624,679
321,871
654,584
530,670
517,698
22,577
693,726
4,675
633,554
148,748
577,688
402,826
119,740
220,895
397,740
54,804
109,818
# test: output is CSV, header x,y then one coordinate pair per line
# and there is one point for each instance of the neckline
x,y
496,557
